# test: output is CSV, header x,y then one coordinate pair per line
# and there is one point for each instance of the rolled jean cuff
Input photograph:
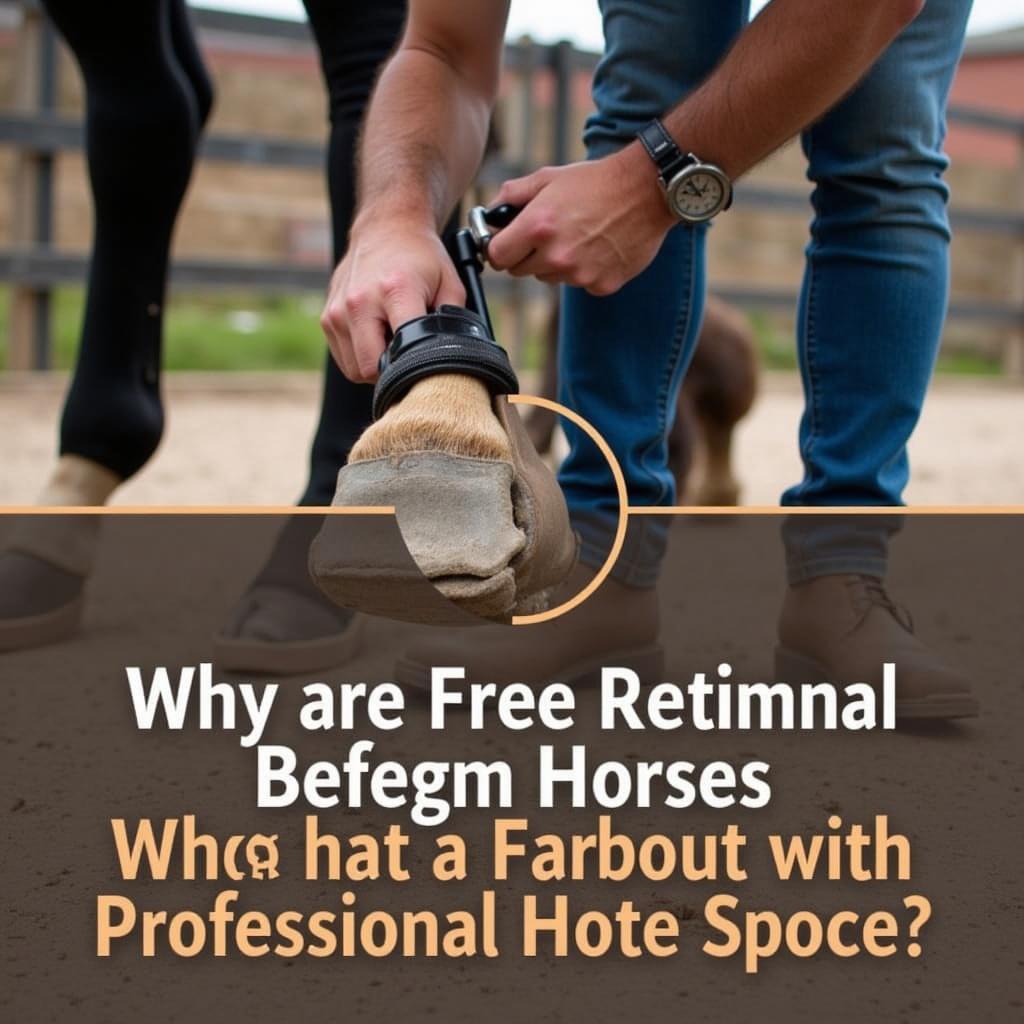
x,y
828,545
803,570
639,561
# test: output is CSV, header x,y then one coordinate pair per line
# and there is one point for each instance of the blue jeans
x,y
872,304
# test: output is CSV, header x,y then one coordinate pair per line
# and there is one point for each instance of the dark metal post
x,y
562,65
527,161
42,343
32,208
1013,359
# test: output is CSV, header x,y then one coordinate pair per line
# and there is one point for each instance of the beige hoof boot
x,y
481,517
66,540
49,555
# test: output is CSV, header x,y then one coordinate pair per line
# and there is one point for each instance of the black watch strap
x,y
662,149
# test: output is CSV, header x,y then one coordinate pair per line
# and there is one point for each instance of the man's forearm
x,y
795,61
423,140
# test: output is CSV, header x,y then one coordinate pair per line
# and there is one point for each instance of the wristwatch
x,y
695,191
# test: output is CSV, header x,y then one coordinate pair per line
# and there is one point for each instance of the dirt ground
x,y
71,759
243,439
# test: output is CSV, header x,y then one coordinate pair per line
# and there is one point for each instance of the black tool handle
x,y
465,252
502,215
466,256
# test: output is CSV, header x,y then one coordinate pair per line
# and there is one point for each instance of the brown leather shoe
x,y
843,628
616,626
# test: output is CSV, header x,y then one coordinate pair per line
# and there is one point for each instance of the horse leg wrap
x,y
492,535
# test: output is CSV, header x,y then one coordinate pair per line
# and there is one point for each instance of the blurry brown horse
x,y
718,391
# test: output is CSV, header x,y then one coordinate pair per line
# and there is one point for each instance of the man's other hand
x,y
595,224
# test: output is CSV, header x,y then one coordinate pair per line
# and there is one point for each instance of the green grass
x,y
969,364
776,347
220,332
239,331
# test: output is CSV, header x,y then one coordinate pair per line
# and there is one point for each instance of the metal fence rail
x,y
39,134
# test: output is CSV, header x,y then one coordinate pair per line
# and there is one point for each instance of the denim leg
x,y
622,357
875,289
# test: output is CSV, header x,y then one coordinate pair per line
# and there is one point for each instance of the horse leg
x,y
722,385
541,423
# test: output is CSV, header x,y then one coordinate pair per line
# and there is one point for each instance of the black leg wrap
x,y
451,340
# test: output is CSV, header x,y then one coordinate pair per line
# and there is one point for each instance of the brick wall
x,y
990,83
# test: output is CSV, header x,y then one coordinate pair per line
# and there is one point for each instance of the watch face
x,y
698,194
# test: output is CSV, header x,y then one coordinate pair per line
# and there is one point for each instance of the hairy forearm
x,y
423,139
795,61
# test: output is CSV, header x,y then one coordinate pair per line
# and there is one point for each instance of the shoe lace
x,y
869,592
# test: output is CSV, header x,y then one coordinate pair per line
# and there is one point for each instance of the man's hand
x,y
392,272
596,224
